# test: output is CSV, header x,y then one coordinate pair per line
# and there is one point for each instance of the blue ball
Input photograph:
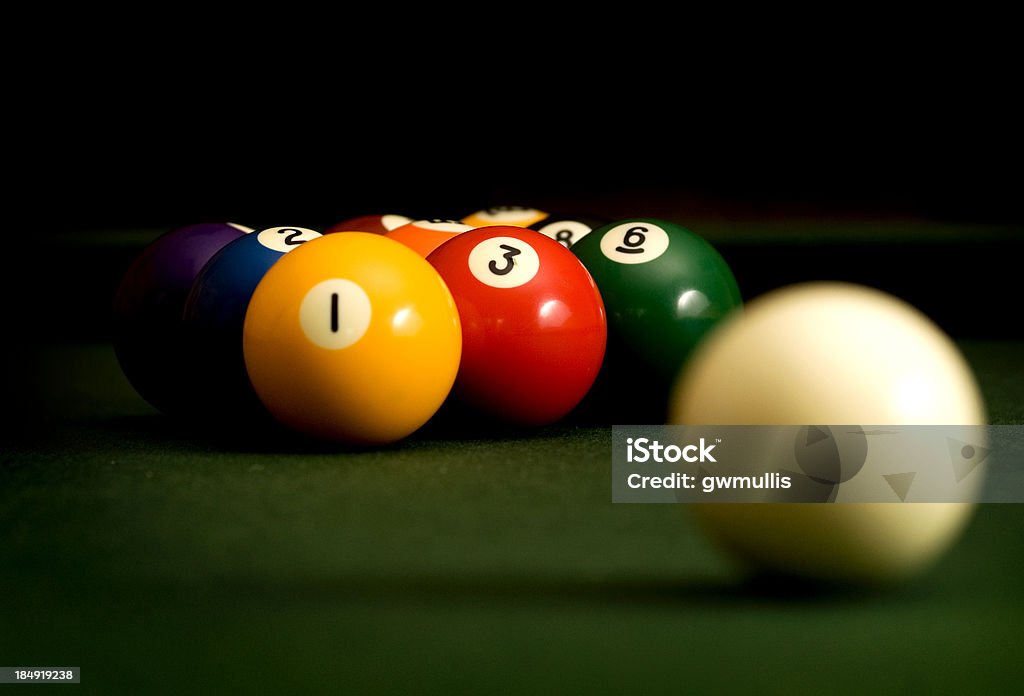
x,y
214,315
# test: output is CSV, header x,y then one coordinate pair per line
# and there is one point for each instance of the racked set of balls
x,y
362,334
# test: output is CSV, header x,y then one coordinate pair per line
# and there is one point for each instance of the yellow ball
x,y
516,215
830,353
352,337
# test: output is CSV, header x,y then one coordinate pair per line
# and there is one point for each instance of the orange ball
x,y
423,236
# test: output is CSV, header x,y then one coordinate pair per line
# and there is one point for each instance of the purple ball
x,y
149,304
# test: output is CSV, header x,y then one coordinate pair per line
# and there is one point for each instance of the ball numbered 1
x,y
353,338
533,323
664,287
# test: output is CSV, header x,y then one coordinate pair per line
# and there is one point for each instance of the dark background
x,y
296,117
201,161
924,157
160,131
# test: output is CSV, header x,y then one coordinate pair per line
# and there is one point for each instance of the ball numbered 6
x,y
352,337
664,287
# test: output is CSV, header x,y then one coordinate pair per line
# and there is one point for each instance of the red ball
x,y
375,224
533,323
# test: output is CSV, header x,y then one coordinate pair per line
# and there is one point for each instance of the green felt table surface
x,y
162,560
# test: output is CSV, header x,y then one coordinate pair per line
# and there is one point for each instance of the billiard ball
x,y
664,287
148,307
517,215
377,224
533,323
352,338
423,236
830,455
839,354
567,229
213,317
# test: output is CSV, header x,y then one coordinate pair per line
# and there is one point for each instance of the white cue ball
x,y
830,353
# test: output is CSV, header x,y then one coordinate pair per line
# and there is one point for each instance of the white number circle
x,y
568,232
504,262
442,225
284,239
335,313
634,242
506,214
391,222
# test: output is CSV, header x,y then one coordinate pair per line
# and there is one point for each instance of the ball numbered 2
x,y
214,315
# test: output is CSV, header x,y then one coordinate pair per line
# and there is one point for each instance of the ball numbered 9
x,y
516,215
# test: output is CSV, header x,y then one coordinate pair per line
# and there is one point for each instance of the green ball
x,y
664,288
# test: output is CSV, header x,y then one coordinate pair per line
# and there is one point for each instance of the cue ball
x,y
533,323
841,354
352,338
213,318
148,307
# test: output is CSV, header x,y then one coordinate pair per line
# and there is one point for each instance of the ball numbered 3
x,y
534,329
353,338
